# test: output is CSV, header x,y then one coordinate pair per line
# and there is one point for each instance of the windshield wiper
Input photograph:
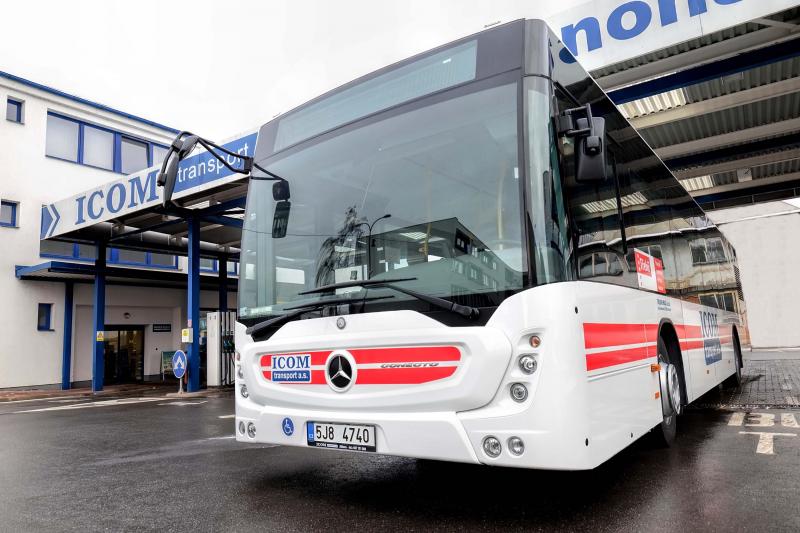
x,y
297,311
463,310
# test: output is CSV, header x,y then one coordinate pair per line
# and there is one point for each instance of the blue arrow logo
x,y
55,223
50,219
47,219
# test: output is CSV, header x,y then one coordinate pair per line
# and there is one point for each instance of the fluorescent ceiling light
x,y
698,183
654,104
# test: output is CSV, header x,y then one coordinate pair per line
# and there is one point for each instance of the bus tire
x,y
735,380
671,396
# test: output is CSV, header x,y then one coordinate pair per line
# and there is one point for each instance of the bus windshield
x,y
429,190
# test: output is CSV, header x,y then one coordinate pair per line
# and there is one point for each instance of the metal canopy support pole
x,y
99,309
193,305
66,352
223,283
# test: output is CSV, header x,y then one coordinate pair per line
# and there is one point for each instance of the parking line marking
x,y
227,416
766,441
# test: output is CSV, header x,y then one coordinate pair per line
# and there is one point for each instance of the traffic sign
x,y
179,364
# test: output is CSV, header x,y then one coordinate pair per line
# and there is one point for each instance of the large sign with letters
x,y
139,191
605,32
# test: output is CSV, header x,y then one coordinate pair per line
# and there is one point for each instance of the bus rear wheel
x,y
734,380
671,397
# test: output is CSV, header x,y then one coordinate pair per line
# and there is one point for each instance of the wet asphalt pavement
x,y
168,465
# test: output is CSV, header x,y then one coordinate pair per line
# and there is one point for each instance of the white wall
x,y
768,255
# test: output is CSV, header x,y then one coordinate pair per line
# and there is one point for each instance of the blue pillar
x,y
66,352
98,364
223,283
193,305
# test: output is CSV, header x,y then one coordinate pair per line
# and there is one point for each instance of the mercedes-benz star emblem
x,y
340,373
341,322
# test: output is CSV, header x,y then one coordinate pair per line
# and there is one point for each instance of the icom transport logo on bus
x,y
291,368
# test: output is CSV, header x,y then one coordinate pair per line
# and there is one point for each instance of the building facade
x,y
56,145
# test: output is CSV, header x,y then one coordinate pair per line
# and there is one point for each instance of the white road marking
x,y
766,441
788,420
762,420
184,403
102,403
222,438
39,400
737,419
227,416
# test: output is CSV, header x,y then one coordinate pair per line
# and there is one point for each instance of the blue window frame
x,y
114,256
8,214
44,317
212,265
95,146
14,110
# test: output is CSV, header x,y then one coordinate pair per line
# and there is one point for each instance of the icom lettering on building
x,y
139,190
609,31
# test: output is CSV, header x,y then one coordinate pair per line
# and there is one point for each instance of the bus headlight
x,y
535,341
519,392
527,363
239,371
241,427
243,391
251,430
492,446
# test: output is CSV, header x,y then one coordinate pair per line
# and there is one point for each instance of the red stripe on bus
x,y
402,376
691,345
595,361
417,354
688,332
604,335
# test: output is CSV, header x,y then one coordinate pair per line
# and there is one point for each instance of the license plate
x,y
341,436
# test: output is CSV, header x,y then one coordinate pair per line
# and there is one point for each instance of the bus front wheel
x,y
671,396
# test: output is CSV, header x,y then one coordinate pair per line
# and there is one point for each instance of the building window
x,y
8,214
14,110
84,252
99,147
62,138
116,256
159,153
707,251
45,313
134,155
212,265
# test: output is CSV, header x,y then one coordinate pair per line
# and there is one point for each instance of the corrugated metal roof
x,y
723,35
725,121
774,72
776,169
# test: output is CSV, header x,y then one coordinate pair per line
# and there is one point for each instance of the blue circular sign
x,y
288,426
179,364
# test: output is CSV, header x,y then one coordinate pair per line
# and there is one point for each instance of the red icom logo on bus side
x,y
643,263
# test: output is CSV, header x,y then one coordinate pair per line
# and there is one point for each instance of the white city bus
x,y
471,256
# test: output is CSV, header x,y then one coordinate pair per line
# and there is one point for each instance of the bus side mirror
x,y
280,220
166,177
181,147
590,153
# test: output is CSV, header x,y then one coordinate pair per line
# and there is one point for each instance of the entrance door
x,y
124,354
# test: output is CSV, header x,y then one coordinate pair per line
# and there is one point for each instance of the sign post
x,y
179,368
